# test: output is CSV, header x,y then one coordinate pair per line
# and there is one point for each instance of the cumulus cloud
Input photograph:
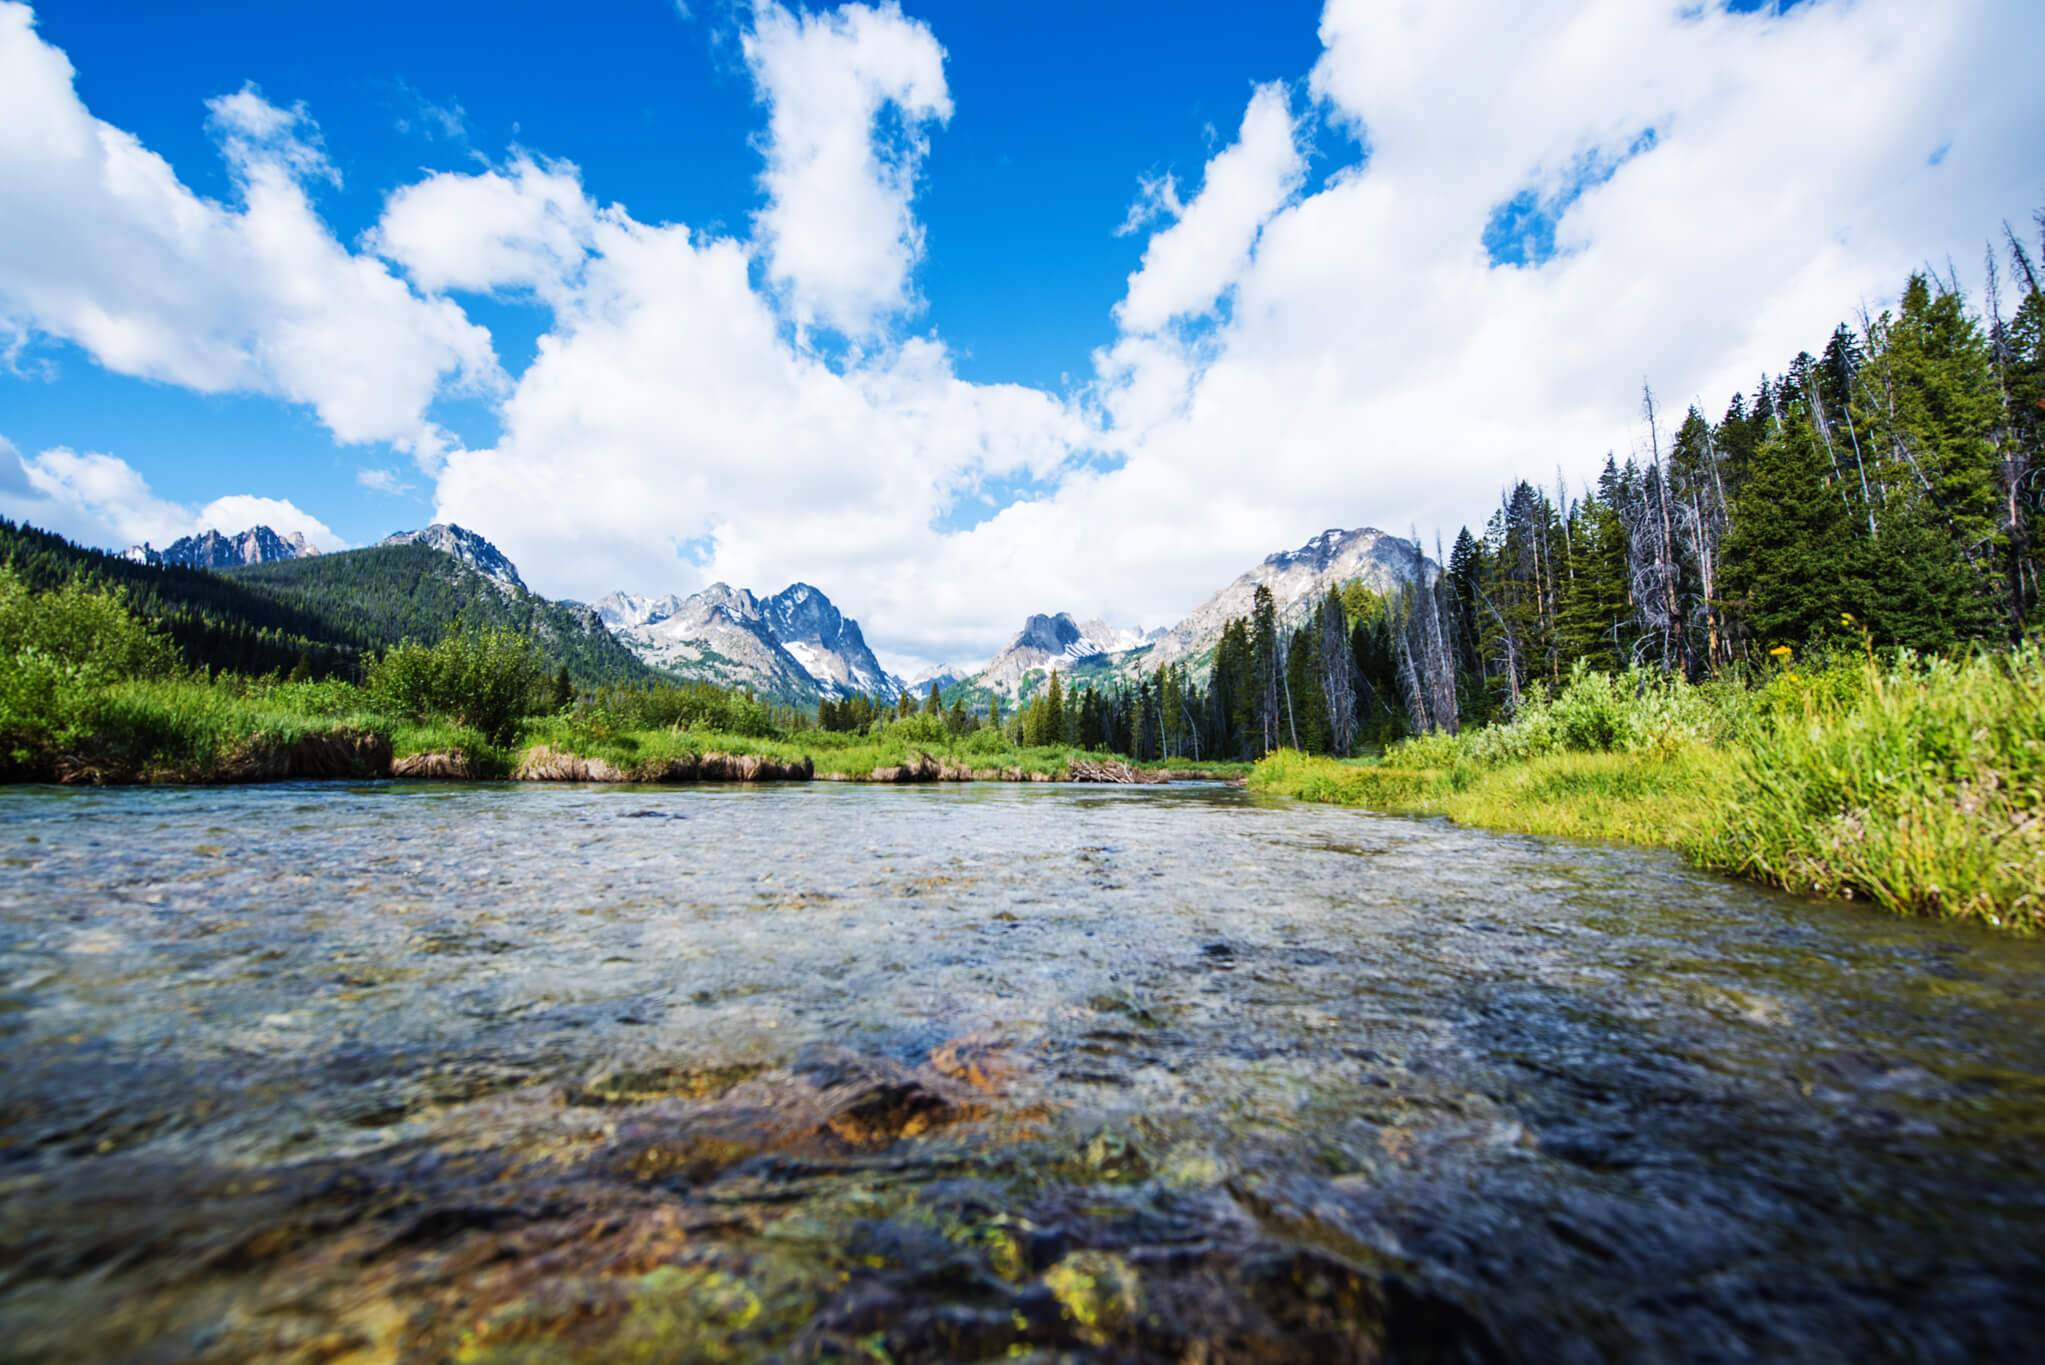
x,y
1188,265
1714,204
99,499
102,245
667,407
850,95
526,226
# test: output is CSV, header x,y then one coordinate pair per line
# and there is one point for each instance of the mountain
x,y
1047,642
212,550
827,644
216,623
330,611
944,678
466,546
416,585
1297,579
1095,651
795,645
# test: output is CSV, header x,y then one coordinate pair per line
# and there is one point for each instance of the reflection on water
x,y
524,1073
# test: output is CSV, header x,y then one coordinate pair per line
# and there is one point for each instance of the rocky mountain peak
x,y
1049,634
211,550
466,546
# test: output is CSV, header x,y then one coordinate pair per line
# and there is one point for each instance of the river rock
x,y
921,768
542,764
451,767
1111,770
754,768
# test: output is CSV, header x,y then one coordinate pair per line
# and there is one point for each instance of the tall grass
x,y
1925,792
1918,785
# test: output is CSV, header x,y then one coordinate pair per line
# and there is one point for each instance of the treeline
x,y
215,623
1886,489
386,594
1889,486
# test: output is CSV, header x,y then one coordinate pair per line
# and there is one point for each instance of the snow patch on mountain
x,y
794,645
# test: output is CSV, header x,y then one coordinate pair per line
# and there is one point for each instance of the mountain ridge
x,y
795,645
212,549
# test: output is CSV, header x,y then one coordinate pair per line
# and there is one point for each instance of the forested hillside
x,y
389,593
217,623
325,612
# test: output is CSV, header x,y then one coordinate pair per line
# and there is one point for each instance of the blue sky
x,y
1061,109
959,311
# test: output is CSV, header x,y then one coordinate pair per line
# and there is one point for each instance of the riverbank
x,y
184,731
1919,786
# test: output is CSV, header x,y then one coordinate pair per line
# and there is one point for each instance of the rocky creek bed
x,y
398,1071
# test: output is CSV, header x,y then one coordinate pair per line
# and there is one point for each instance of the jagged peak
x,y
464,545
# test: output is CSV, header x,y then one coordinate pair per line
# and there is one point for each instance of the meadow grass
x,y
184,729
1919,785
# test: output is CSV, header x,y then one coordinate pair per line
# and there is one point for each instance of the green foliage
x,y
213,622
677,706
1924,791
1919,785
56,648
485,678
388,594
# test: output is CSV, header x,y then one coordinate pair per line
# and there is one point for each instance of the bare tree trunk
x,y
1666,565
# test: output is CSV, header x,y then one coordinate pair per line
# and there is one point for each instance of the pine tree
x,y
1790,556
1264,668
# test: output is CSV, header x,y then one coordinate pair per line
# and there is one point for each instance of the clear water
x,y
823,1072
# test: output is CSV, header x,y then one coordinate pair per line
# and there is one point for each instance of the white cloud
x,y
99,499
1371,365
383,481
101,244
837,231
1374,367
527,226
237,512
1190,264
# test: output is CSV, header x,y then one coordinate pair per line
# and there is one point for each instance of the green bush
x,y
486,679
672,706
56,649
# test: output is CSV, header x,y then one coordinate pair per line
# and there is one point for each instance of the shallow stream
x,y
433,1071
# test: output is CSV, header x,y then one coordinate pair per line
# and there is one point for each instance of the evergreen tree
x,y
1790,558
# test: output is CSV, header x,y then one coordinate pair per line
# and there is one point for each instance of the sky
x,y
959,311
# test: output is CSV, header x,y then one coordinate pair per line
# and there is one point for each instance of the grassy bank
x,y
1919,786
193,730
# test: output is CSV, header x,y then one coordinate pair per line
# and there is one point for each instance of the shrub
x,y
484,679
56,649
